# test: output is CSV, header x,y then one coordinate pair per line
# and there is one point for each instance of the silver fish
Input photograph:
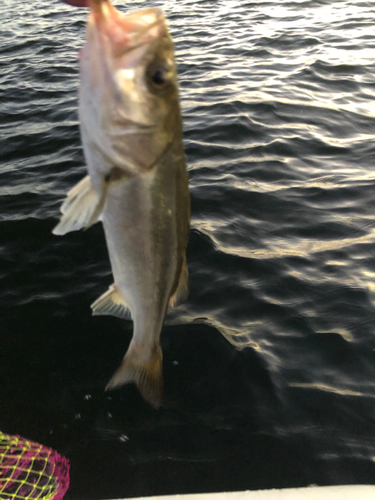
x,y
137,185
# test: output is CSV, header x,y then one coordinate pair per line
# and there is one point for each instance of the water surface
x,y
270,365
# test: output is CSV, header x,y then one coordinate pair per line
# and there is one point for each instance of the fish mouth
x,y
126,32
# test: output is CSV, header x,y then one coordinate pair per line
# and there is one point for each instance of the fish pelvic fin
x,y
182,289
81,208
147,376
111,303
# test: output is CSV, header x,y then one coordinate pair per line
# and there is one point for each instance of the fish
x,y
137,183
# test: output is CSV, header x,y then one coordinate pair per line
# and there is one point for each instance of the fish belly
x,y
140,228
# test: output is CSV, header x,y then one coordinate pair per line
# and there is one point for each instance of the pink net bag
x,y
29,470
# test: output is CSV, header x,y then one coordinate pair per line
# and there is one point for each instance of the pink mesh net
x,y
29,470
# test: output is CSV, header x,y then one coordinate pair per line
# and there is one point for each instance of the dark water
x,y
279,112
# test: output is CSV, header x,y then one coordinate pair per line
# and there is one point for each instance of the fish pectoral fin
x,y
182,289
111,303
81,208
147,376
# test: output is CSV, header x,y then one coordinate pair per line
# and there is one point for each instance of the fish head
x,y
129,100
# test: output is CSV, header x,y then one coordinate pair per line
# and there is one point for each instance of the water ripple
x,y
278,101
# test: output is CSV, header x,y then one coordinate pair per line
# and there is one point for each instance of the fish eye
x,y
158,76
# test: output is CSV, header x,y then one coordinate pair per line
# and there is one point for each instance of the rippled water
x,y
278,101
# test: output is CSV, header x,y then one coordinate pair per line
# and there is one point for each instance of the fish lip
x,y
141,35
127,32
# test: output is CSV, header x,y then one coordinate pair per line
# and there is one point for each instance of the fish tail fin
x,y
147,375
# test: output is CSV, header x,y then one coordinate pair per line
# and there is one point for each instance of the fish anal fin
x,y
80,208
147,375
182,289
111,303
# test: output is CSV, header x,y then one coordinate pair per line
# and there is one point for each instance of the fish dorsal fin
x,y
111,303
182,289
146,374
81,208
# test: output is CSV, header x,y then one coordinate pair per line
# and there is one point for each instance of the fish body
x,y
132,135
